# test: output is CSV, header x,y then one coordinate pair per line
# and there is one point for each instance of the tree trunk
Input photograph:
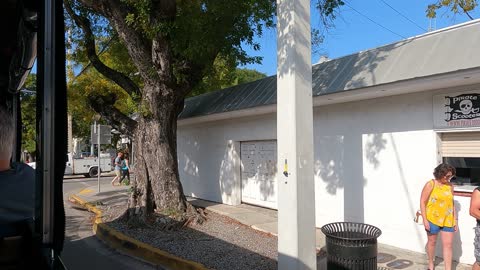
x,y
157,187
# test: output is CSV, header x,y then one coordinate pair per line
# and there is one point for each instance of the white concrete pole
x,y
99,165
296,194
70,133
92,145
69,74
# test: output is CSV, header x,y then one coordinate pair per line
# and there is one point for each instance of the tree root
x,y
194,216
166,220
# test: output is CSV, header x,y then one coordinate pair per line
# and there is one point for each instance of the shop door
x,y
259,173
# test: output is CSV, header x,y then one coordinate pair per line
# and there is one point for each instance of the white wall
x,y
209,156
372,159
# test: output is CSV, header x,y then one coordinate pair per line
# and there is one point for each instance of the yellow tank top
x,y
440,206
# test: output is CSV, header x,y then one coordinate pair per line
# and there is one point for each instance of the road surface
x,y
82,250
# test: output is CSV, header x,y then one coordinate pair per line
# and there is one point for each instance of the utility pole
x,y
296,189
70,133
99,165
69,116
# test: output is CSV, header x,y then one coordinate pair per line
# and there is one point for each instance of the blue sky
x,y
353,32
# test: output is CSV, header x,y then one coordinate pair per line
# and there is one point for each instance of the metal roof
x,y
443,51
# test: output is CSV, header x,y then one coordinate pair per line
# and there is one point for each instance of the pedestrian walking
x,y
118,168
125,170
438,213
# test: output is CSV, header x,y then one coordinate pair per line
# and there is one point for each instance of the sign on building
x,y
457,110
105,134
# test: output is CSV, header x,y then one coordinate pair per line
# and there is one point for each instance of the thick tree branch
x,y
104,105
193,74
119,78
138,46
162,60
163,11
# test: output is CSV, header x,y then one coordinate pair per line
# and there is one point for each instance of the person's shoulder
x,y
430,183
23,168
475,195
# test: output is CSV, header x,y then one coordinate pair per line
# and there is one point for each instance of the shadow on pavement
x,y
212,248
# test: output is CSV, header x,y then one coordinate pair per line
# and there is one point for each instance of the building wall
x,y
209,156
372,159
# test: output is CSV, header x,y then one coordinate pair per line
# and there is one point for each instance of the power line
x,y
368,18
90,63
399,13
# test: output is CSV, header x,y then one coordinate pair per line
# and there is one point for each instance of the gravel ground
x,y
219,243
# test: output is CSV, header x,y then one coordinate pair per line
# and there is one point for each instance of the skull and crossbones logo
x,y
466,107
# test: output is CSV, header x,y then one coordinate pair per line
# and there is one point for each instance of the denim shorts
x,y
434,229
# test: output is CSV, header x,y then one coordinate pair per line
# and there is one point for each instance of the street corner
x,y
87,205
76,203
128,245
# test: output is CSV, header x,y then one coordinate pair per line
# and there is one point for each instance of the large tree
x,y
173,44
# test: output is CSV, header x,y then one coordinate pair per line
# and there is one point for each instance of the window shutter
x,y
461,144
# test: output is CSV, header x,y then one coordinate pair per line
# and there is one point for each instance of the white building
x,y
383,119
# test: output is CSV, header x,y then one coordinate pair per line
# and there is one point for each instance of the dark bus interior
x,y
32,31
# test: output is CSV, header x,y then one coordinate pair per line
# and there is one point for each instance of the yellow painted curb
x,y
85,191
133,247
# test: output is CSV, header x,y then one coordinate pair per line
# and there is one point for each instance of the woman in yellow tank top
x,y
438,213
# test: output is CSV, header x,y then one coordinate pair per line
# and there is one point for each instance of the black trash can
x,y
351,246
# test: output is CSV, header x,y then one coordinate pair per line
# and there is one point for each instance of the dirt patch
x,y
219,243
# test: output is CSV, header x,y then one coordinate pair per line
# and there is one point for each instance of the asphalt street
x,y
82,250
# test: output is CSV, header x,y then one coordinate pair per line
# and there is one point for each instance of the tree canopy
x,y
89,82
454,6
28,108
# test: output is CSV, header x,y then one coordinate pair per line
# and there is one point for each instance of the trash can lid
x,y
351,231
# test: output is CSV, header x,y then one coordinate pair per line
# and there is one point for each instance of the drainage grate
x,y
385,257
400,264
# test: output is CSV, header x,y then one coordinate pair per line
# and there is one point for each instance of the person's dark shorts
x,y
476,243
434,229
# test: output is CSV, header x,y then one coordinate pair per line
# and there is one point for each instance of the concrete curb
x,y
133,247
264,231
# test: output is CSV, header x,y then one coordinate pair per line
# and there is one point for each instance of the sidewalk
x,y
266,220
